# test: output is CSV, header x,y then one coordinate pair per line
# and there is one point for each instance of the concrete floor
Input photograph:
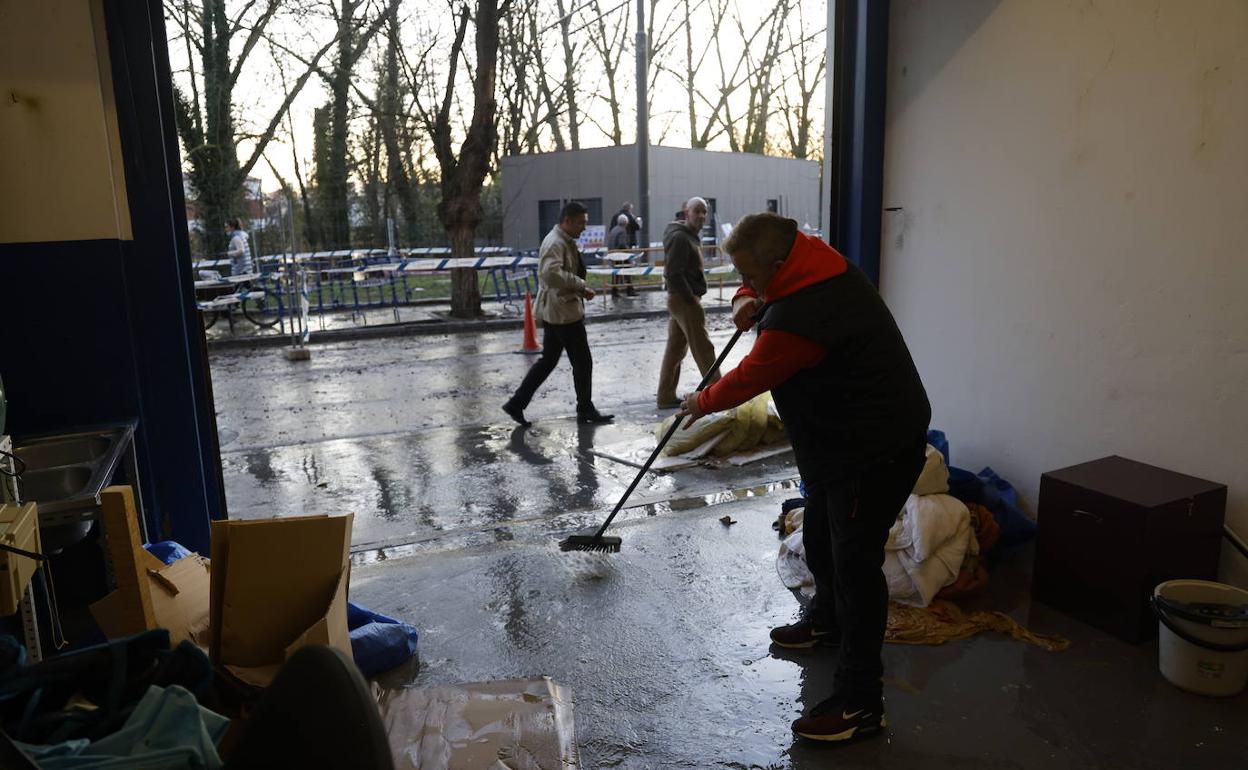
x,y
663,645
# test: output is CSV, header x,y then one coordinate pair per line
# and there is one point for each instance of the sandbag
x,y
702,431
378,642
748,426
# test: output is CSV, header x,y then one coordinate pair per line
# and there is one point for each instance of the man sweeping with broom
x,y
856,413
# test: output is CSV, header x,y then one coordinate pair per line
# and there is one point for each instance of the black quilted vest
x,y
863,403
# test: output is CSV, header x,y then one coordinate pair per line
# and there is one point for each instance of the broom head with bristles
x,y
589,540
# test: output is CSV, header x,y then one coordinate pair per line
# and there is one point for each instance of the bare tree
x,y
332,183
753,137
554,106
807,66
610,47
205,113
463,173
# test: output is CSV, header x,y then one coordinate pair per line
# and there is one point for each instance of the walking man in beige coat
x,y
686,283
561,306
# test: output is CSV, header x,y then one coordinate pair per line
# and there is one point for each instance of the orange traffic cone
x,y
530,328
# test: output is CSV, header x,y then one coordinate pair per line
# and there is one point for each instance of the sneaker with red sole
x,y
805,633
838,719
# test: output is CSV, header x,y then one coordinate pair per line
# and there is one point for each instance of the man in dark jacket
x,y
856,413
634,223
686,283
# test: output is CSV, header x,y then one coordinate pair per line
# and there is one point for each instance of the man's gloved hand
x,y
743,310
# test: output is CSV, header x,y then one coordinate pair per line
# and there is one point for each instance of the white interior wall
x,y
1068,264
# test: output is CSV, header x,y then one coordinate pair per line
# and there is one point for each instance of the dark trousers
x,y
557,338
844,530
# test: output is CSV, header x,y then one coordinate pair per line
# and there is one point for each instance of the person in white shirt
x,y
239,250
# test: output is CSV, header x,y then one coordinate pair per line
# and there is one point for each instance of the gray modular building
x,y
534,187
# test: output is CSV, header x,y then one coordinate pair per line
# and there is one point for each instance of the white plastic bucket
x,y
1200,651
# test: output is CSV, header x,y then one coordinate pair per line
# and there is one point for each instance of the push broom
x,y
593,539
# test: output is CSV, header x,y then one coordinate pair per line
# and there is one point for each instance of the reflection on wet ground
x,y
441,457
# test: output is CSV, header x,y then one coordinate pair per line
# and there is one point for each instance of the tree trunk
x,y
332,180
462,176
465,293
219,182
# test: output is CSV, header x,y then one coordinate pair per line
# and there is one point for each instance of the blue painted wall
x,y
859,87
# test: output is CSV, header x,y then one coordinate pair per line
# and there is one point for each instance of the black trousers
x,y
557,338
844,530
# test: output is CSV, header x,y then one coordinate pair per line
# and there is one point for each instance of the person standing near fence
x,y
633,226
561,306
239,250
617,240
686,283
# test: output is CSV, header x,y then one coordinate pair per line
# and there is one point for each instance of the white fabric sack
x,y
791,565
926,523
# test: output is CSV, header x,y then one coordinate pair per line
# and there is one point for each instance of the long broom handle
x,y
667,437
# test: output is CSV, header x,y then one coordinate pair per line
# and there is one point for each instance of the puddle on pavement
x,y
506,530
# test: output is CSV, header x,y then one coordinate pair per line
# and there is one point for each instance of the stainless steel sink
x,y
65,473
54,453
44,486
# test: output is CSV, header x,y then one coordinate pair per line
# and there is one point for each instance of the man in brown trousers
x,y
686,283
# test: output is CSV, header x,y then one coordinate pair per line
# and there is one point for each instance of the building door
x,y
547,217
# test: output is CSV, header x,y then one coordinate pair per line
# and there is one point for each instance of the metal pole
x,y
289,273
643,129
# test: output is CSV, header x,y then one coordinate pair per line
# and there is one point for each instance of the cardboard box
x,y
277,585
19,528
149,594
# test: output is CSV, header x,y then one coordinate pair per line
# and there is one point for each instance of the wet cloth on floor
x,y
943,621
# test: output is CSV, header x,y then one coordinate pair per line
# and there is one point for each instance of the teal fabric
x,y
168,730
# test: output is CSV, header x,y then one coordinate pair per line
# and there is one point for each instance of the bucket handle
x,y
1159,610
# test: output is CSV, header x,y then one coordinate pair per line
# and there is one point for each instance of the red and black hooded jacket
x,y
841,375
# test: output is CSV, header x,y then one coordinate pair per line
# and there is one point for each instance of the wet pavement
x,y
663,645
390,430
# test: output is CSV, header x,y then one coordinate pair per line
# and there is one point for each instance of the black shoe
x,y
594,418
842,719
615,293
516,413
804,634
631,292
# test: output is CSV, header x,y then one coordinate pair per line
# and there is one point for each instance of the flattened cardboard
x,y
277,584
515,724
179,601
